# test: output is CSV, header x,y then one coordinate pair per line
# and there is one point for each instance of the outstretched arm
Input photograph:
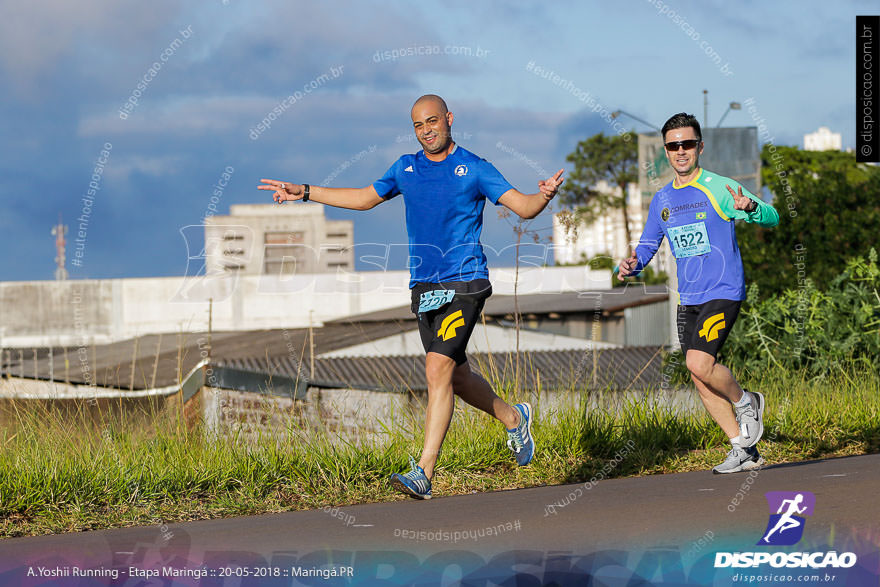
x,y
530,205
351,198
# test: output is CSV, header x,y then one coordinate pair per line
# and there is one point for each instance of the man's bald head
x,y
432,123
432,99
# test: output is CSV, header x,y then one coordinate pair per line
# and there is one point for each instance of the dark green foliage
x,y
829,208
810,329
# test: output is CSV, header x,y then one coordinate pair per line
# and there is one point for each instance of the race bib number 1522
x,y
689,240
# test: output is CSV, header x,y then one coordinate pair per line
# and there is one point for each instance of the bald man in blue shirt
x,y
444,188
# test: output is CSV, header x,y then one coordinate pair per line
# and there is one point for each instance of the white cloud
x,y
35,37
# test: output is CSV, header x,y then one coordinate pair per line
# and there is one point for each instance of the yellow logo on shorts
x,y
449,324
712,326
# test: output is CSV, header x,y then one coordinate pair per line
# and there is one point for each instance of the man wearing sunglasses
x,y
695,212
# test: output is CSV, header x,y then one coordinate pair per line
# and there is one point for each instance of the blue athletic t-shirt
x,y
444,212
697,218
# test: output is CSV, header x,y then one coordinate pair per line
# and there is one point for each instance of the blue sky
x,y
68,69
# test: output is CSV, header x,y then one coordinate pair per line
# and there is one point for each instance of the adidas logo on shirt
x,y
409,168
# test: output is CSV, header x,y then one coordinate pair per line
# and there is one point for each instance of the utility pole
x,y
705,108
58,231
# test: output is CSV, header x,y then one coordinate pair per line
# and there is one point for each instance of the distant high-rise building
x,y
822,140
259,239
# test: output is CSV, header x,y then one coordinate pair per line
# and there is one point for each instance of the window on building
x,y
283,266
284,237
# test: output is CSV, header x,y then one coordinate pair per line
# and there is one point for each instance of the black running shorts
x,y
447,313
705,327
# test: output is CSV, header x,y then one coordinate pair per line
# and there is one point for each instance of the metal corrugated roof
x,y
605,301
622,368
162,360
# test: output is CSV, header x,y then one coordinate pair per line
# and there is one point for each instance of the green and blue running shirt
x,y
697,218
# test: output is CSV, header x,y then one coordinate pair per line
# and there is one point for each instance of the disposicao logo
x,y
786,528
786,524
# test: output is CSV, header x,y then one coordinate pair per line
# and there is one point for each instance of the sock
x,y
737,441
745,399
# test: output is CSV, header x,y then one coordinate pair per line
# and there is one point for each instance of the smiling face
x,y
684,161
432,124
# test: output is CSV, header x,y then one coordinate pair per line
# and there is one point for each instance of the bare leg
x,y
438,372
476,391
719,408
717,389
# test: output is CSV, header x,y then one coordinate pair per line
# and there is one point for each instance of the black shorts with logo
x,y
705,327
447,313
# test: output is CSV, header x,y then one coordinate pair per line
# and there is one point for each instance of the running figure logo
x,y
786,526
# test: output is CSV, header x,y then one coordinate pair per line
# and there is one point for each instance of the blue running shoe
x,y
519,439
414,483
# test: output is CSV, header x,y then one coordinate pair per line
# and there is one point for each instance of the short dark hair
x,y
682,120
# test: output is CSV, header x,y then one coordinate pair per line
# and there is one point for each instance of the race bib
x,y
431,300
689,240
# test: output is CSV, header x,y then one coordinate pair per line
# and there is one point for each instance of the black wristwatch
x,y
305,192
749,210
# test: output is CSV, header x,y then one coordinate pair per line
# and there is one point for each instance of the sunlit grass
x,y
71,473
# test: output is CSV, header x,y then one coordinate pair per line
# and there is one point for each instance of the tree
x,y
614,159
829,210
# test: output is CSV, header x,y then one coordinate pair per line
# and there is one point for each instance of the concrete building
x,y
605,236
79,313
822,140
267,239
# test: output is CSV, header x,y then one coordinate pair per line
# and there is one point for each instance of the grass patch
x,y
62,474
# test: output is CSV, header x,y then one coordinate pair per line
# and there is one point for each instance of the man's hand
x,y
741,202
548,187
626,267
283,190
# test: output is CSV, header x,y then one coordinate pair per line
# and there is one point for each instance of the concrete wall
x,y
71,313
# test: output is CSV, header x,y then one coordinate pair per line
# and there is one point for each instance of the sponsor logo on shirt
x,y
665,214
690,206
461,170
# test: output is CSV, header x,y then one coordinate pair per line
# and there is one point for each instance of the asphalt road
x,y
662,529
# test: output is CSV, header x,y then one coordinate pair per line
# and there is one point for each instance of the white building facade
x,y
823,140
605,236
